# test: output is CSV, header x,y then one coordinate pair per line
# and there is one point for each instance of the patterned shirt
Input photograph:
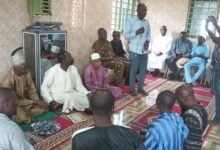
x,y
196,119
168,132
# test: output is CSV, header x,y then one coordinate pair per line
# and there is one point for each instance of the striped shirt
x,y
168,132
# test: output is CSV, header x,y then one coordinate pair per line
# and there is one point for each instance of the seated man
x,y
117,45
62,85
194,115
19,79
55,50
104,135
159,48
12,136
168,132
95,77
108,57
199,57
181,48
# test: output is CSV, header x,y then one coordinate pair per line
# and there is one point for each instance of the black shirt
x,y
107,138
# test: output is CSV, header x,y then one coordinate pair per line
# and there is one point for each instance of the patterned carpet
x,y
131,111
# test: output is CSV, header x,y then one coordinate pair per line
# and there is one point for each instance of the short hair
x,y
4,92
140,5
99,30
184,88
102,102
164,27
116,32
183,32
166,99
61,56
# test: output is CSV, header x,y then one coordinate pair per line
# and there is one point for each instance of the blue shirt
x,y
168,132
136,42
180,47
200,50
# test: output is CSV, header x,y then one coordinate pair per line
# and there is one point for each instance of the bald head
x,y
7,101
165,101
185,96
102,102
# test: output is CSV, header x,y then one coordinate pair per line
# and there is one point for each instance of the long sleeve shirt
x,y
136,42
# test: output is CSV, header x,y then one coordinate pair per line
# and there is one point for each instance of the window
x,y
198,12
122,10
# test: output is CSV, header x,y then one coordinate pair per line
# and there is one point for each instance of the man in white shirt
x,y
62,85
12,137
159,48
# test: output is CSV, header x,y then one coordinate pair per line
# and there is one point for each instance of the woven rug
x,y
131,111
202,94
80,120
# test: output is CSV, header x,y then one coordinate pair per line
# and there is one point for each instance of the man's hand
x,y
89,95
54,105
42,104
146,45
159,54
140,31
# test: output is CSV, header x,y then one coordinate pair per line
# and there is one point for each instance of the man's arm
x,y
151,142
128,33
89,80
32,92
215,39
45,87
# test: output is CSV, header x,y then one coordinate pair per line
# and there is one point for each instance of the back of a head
x,y
102,102
62,56
166,99
183,91
7,96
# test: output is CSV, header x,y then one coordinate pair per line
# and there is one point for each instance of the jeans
x,y
217,91
138,62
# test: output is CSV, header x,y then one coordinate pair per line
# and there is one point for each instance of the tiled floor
x,y
136,108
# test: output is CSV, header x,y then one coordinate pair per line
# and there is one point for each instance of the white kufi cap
x,y
95,56
17,57
55,49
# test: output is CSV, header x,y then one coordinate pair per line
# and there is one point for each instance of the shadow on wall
x,y
174,34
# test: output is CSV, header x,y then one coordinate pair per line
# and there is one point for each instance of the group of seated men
x,y
178,54
168,131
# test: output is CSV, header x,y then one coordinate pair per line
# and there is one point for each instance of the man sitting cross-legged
x,y
168,132
62,85
194,116
95,77
104,135
19,79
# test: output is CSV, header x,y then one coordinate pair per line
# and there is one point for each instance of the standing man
x,y
137,31
215,63
181,49
199,57
159,48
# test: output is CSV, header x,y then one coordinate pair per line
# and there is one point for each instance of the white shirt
x,y
58,81
12,137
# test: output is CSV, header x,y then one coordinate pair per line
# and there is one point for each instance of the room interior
x,y
80,20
